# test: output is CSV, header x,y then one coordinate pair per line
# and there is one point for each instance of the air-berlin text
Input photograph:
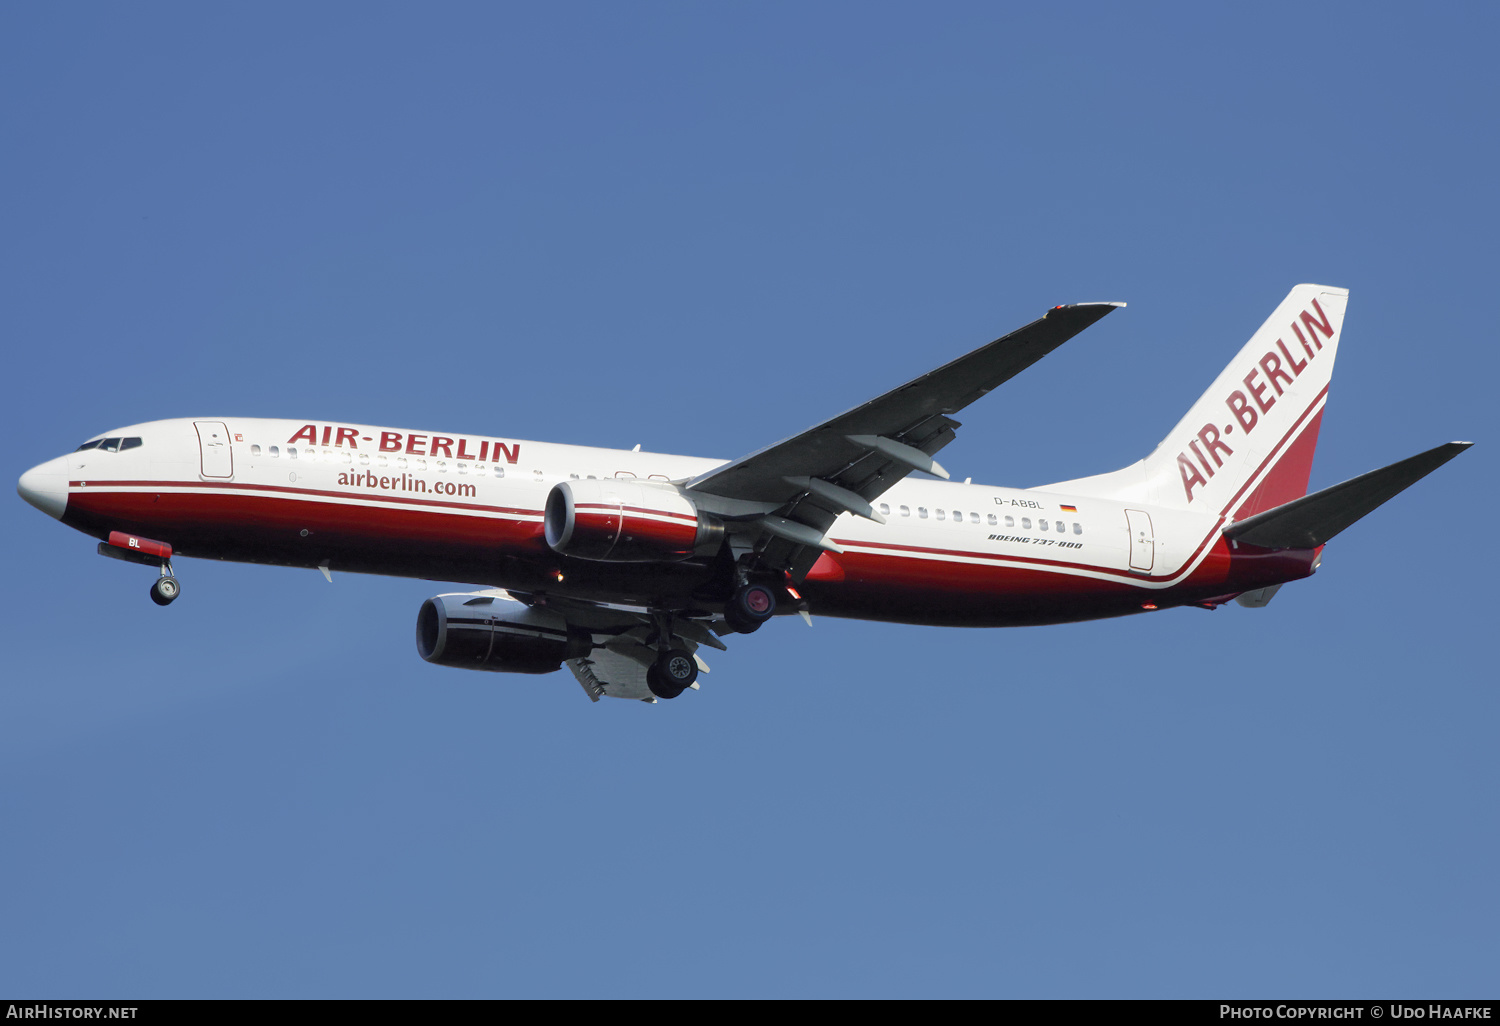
x,y
479,450
1272,374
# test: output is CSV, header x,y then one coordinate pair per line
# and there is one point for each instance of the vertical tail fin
x,y
1247,444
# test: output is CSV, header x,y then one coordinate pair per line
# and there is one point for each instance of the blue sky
x,y
703,227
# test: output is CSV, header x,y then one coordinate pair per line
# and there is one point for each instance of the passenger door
x,y
1142,541
213,449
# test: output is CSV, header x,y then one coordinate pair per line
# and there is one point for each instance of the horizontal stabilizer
x,y
1310,521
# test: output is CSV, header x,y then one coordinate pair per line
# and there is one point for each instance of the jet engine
x,y
492,631
625,520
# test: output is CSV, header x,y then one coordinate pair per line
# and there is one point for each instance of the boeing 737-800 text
x,y
622,565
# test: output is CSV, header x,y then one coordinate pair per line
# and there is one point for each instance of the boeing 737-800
x,y
621,565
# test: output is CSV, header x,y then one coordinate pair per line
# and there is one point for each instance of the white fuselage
x,y
466,507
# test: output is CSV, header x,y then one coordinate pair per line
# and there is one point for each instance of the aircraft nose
x,y
46,486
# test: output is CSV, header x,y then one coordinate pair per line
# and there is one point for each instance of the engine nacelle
x,y
624,520
491,631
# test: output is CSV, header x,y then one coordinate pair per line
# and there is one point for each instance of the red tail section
x,y
1287,479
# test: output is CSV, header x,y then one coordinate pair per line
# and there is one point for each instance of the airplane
x,y
622,565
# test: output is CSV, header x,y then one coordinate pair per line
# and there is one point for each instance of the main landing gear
x,y
166,589
750,606
674,671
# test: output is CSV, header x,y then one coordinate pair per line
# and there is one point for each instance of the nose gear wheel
x,y
165,590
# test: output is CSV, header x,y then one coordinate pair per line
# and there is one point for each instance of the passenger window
x,y
381,461
255,450
499,470
275,451
364,459
1062,528
573,476
348,457
400,462
291,452
1077,528
942,514
973,518
130,443
921,512
1026,523
993,521
592,478
442,466
958,517
906,511
1010,521
1041,524
463,468
885,510
421,465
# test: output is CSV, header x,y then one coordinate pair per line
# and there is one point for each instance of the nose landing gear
x,y
134,549
165,589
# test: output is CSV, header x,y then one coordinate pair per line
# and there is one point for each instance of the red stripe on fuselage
x,y
912,589
442,539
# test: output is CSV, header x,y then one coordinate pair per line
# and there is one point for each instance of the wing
x,y
842,464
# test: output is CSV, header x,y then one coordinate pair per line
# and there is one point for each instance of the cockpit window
x,y
110,444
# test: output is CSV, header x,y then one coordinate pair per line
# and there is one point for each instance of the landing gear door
x,y
1142,541
213,448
